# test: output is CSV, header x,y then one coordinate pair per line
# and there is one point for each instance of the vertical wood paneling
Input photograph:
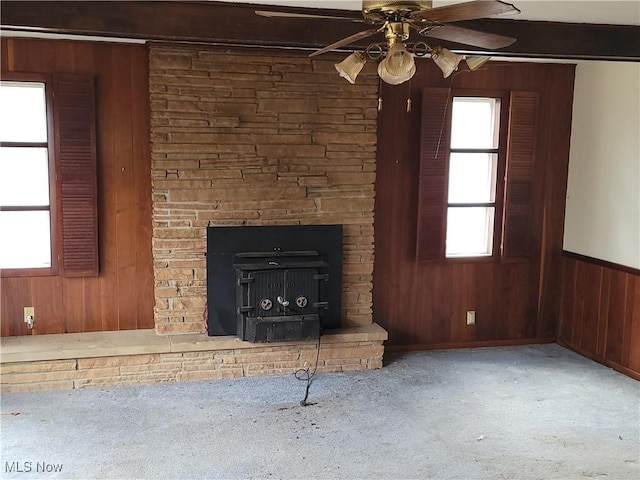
x,y
514,302
591,306
84,58
47,298
484,279
122,295
627,344
124,186
15,296
578,304
634,333
42,60
568,298
424,304
603,310
64,58
108,290
6,55
93,311
616,313
74,303
140,131
602,303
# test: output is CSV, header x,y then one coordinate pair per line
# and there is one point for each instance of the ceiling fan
x,y
396,19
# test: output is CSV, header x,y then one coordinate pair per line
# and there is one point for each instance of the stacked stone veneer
x,y
212,361
248,139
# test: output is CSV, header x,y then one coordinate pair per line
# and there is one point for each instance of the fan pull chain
x,y
408,105
379,104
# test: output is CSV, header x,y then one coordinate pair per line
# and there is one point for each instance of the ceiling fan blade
x,y
273,14
346,41
465,11
466,36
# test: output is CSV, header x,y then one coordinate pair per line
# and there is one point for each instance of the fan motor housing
x,y
381,10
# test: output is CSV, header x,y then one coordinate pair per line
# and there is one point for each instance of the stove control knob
x,y
301,301
266,304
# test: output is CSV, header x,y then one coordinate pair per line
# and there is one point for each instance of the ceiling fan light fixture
x,y
351,66
446,60
475,62
396,19
398,66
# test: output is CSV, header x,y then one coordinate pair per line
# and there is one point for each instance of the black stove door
x,y
301,290
263,292
282,292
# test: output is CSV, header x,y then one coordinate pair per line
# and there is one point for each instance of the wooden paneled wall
x,y
423,305
121,297
600,313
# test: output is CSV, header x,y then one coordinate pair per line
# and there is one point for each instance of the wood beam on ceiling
x,y
237,24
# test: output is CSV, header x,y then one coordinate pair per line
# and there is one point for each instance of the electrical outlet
x,y
471,317
29,316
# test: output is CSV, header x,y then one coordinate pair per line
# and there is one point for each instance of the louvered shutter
x,y
432,183
74,127
523,112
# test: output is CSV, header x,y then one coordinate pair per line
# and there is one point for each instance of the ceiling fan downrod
x,y
395,32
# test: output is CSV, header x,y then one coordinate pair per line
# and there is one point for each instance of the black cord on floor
x,y
305,375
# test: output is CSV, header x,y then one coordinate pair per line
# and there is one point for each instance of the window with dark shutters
x,y
513,227
72,167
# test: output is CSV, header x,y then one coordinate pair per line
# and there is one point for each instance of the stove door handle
x,y
282,301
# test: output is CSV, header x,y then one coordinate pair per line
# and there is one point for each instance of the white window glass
x,y
25,239
472,177
473,123
24,177
473,162
25,214
23,108
469,231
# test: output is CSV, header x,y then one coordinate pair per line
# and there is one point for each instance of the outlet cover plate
x,y
471,317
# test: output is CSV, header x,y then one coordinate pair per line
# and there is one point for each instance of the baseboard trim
x,y
474,344
603,361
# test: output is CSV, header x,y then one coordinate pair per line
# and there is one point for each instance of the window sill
x,y
27,272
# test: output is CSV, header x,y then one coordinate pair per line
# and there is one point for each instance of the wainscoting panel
x,y
600,312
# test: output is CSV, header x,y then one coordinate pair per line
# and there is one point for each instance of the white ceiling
x,y
620,12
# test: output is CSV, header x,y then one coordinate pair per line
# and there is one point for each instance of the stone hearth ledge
x,y
139,342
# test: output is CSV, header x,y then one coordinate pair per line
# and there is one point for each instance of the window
x,y
477,152
473,165
25,191
48,175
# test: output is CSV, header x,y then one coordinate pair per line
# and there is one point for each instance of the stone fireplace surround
x,y
237,139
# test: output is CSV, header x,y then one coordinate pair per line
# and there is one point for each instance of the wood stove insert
x,y
279,295
274,283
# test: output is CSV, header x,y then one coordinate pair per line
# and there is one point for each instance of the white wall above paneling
x,y
603,194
